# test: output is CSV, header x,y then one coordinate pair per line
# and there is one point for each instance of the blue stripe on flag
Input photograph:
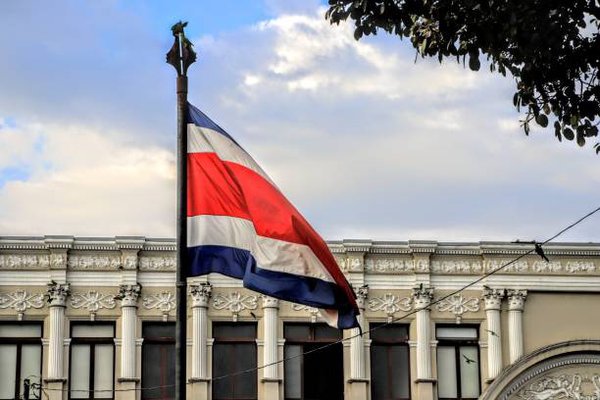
x,y
240,264
197,117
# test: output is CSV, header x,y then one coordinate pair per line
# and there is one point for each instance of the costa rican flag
x,y
239,224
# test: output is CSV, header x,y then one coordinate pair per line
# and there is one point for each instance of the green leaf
x,y
542,120
580,139
568,133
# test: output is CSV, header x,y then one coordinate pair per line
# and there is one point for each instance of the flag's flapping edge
x,y
240,225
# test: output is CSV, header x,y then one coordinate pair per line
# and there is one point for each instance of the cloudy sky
x,y
366,142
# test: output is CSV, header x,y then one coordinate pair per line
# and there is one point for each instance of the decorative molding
x,y
422,296
493,298
390,304
92,301
313,311
458,305
128,294
516,299
235,302
25,261
389,265
567,386
269,302
362,293
158,263
21,301
163,301
57,293
456,267
88,262
200,293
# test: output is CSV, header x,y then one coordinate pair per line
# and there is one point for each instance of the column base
x,y
55,387
199,388
358,389
127,387
425,388
271,388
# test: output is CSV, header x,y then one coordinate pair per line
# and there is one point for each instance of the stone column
x,y
200,296
128,294
358,373
57,298
516,301
493,301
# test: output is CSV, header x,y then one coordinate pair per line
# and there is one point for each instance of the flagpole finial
x,y
181,55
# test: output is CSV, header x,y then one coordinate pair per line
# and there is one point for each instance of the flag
x,y
239,224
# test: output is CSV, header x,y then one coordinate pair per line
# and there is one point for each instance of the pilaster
x,y
128,294
200,294
271,379
57,299
516,303
493,301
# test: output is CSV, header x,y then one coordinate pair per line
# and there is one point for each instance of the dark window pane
x,y
380,378
323,374
158,369
231,331
326,332
293,371
231,356
296,332
389,333
159,330
399,369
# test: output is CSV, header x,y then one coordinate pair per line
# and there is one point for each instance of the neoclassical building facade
x,y
93,318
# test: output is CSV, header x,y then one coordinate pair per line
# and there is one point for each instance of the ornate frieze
x,y
92,301
314,312
456,267
458,305
235,302
200,293
390,304
24,261
158,263
163,301
21,301
564,386
94,262
128,294
58,293
389,265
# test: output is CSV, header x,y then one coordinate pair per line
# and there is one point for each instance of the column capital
x,y
422,296
362,293
269,302
58,293
516,299
128,294
200,293
492,298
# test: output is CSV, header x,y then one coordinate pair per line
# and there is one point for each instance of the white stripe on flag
x,y
205,140
270,254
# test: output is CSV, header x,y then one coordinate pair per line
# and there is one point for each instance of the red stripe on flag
x,y
217,187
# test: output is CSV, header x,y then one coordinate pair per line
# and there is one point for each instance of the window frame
x,y
390,343
163,340
19,342
311,340
92,342
457,343
235,340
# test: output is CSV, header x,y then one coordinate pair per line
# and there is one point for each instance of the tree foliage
x,y
550,47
